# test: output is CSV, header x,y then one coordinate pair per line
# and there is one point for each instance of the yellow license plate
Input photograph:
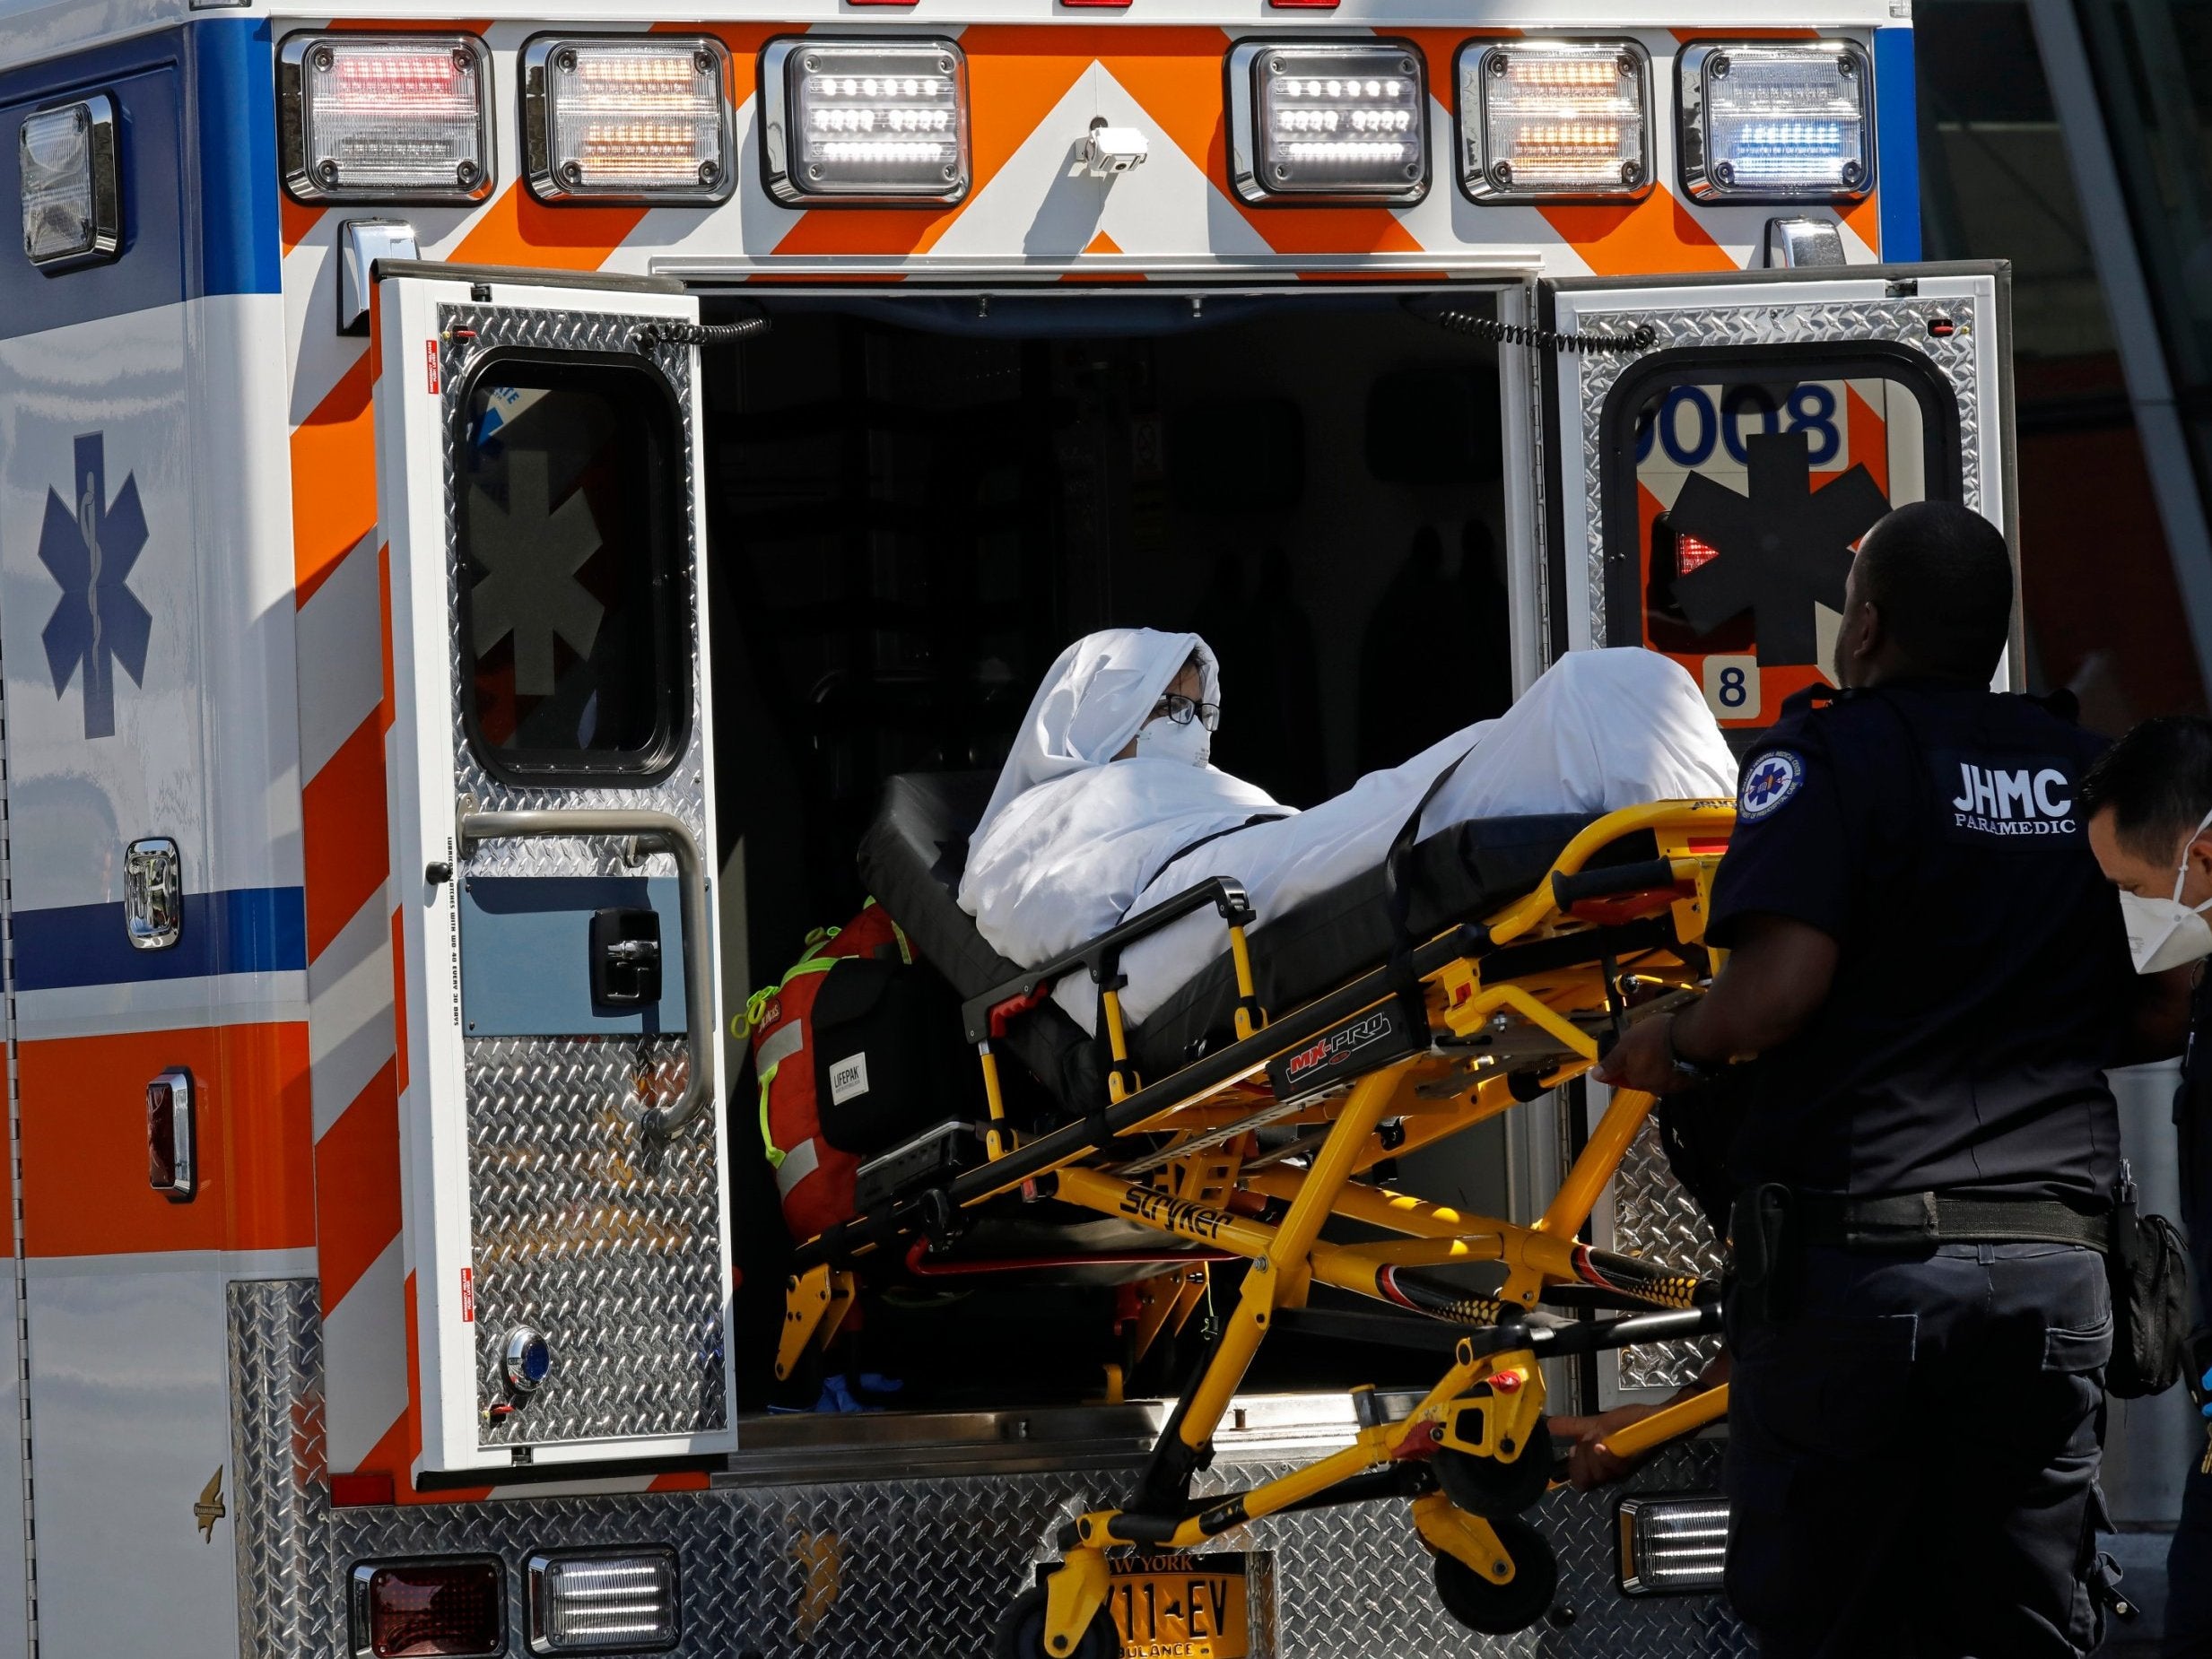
x,y
1179,1606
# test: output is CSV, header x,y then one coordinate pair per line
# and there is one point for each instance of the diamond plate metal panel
x,y
684,791
1902,321
280,1490
608,1246
1653,1217
899,1569
604,1242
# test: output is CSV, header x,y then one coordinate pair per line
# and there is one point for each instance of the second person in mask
x,y
2148,803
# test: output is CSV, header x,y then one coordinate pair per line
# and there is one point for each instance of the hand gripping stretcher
x,y
1482,966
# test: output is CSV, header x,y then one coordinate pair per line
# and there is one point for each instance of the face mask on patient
x,y
1163,739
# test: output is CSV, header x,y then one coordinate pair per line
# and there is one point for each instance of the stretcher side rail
x,y
1102,957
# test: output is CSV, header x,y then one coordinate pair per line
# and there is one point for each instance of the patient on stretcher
x,y
1107,806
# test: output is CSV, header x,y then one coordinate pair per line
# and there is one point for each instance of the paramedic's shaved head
x,y
1929,597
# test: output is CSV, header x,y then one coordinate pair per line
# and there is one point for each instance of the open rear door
x,y
1705,493
567,1213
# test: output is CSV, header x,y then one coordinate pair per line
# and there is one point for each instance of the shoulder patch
x,y
1773,779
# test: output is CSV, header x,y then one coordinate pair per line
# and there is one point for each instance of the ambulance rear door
x,y
1705,489
566,1202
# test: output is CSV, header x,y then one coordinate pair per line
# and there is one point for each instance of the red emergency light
x,y
1690,553
454,1608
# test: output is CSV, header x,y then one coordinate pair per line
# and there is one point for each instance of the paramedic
x,y
1933,972
2148,806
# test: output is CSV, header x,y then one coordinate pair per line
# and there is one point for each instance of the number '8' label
x,y
1732,687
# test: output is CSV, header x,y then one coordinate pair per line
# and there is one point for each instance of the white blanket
x,y
1075,840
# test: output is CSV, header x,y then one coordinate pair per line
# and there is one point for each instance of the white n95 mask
x,y
2166,933
1192,744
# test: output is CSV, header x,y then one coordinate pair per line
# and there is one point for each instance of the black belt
x,y
1912,1220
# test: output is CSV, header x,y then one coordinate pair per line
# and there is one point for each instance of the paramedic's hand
x,y
1642,1059
1590,1464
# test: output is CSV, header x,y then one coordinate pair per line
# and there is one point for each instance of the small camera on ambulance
x,y
1110,150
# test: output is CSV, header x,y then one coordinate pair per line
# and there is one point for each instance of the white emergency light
x,y
846,120
72,200
1328,121
1555,120
385,117
1775,121
627,117
1672,1543
615,1602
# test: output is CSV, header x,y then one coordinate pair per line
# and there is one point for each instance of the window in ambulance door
x,y
571,499
1737,485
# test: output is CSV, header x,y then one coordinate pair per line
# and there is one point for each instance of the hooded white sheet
x,y
1073,840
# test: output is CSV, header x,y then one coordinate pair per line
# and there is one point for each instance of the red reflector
x,y
1690,552
408,1610
1113,5
352,1491
1318,5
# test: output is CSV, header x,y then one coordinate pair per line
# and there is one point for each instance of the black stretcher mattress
x,y
914,852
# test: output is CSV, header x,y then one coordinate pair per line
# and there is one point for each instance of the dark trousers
x,y
1912,1455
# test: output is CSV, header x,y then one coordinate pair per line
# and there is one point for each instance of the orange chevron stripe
x,y
1866,218
398,1446
1176,75
521,231
357,1186
333,479
295,221
1658,234
343,828
84,1117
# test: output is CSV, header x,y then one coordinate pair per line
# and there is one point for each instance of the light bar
x,y
455,1606
1776,121
385,117
622,1602
1555,120
73,199
1327,121
848,120
627,118
1673,1544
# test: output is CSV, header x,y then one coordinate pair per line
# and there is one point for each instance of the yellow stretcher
x,y
1253,1147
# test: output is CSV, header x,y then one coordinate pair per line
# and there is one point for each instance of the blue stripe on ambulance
x,y
1897,146
180,242
241,930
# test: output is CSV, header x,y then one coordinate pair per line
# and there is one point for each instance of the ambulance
x,y
485,502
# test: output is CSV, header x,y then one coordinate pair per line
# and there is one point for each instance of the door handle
x,y
649,830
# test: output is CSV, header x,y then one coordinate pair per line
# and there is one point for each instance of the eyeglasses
x,y
1180,709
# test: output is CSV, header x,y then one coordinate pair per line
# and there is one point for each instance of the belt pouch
x,y
1764,1239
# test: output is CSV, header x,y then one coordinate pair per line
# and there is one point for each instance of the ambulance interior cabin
x,y
914,503
914,500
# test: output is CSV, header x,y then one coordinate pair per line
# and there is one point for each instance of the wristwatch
x,y
1691,1072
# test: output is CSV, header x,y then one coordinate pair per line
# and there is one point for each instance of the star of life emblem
x,y
88,544
1773,778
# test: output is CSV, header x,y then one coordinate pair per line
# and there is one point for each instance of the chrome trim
x,y
1473,161
152,893
291,133
649,830
538,1598
1692,65
184,1167
540,169
106,228
774,94
515,1358
1628,1518
1243,68
1796,244
361,242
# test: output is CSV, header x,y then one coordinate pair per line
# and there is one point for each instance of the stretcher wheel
x,y
1021,1633
1485,1487
1501,1609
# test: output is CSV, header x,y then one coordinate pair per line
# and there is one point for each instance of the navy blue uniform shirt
x,y
1982,968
